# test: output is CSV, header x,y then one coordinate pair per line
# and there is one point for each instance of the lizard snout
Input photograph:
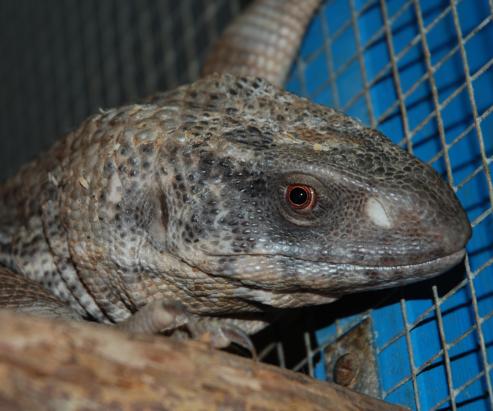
x,y
428,219
450,226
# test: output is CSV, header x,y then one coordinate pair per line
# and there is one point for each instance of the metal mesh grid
x,y
422,72
61,60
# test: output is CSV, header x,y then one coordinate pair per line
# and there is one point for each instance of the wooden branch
x,y
57,365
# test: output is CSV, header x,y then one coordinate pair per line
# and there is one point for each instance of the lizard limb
x,y
24,295
162,316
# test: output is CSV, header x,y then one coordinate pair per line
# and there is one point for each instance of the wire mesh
x,y
422,73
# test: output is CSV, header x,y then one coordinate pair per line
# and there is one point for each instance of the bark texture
x,y
60,365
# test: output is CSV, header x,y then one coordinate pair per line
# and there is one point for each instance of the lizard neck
x,y
20,204
31,236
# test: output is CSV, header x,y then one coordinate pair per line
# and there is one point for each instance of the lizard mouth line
x,y
447,260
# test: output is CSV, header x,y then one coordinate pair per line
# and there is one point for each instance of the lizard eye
x,y
301,196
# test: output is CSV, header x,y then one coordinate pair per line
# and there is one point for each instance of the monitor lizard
x,y
209,207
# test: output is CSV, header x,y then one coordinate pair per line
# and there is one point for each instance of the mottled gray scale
x,y
31,255
65,275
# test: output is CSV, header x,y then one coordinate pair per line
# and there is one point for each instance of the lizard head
x,y
233,189
279,194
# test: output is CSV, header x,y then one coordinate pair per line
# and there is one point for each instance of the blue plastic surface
x,y
347,34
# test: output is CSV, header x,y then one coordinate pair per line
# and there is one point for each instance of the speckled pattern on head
x,y
183,198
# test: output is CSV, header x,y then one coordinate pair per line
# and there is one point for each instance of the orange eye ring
x,y
300,196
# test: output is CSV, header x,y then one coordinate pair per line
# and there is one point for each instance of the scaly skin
x,y
263,41
182,199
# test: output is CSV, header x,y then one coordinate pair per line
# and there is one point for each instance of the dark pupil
x,y
298,196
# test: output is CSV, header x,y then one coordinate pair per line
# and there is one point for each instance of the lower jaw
x,y
444,263
398,275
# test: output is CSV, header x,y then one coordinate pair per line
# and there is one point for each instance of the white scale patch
x,y
378,216
115,189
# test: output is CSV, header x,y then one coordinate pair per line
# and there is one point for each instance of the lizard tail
x,y
263,41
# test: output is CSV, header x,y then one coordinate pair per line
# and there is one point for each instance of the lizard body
x,y
185,198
